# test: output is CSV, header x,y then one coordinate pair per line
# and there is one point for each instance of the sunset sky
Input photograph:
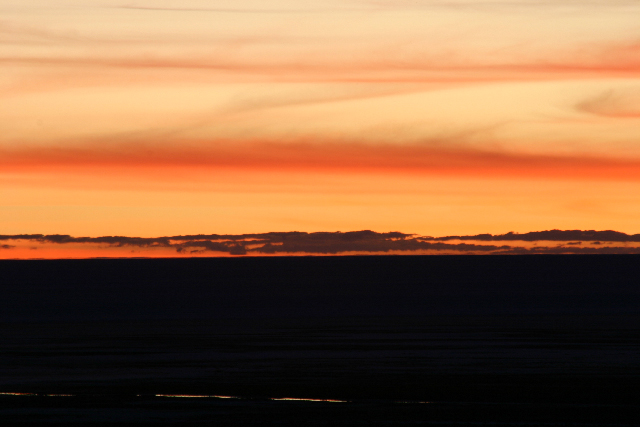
x,y
434,117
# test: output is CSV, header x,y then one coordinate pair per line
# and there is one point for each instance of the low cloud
x,y
564,250
109,240
355,242
550,235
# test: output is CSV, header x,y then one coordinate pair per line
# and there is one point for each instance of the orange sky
x,y
436,117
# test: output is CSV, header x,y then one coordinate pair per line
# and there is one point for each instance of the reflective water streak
x,y
196,396
35,394
307,400
200,396
18,394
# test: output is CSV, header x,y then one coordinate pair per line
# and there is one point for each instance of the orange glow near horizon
x,y
432,117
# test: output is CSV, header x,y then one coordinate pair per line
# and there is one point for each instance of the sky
x,y
428,117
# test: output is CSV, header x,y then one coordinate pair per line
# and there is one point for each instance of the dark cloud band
x,y
366,241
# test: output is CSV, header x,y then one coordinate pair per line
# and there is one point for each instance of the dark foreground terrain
x,y
513,340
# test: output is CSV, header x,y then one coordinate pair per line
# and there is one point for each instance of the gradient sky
x,y
436,117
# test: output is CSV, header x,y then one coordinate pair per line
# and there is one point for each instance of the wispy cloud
x,y
233,10
606,60
239,104
621,103
433,158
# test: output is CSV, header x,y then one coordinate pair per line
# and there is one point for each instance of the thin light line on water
x,y
17,394
191,396
300,399
197,396
308,400
6,393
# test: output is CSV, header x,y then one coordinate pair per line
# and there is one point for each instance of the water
x,y
399,340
